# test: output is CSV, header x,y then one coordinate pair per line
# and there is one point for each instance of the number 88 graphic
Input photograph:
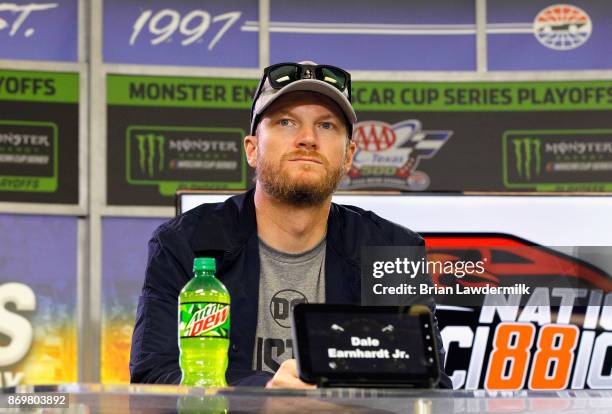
x,y
552,362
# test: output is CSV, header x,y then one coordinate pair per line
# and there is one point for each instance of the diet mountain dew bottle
x,y
204,324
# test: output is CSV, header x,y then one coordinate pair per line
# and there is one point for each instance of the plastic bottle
x,y
204,326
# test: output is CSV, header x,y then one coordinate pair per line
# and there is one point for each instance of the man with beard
x,y
282,243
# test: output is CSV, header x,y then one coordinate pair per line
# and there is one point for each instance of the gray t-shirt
x,y
284,280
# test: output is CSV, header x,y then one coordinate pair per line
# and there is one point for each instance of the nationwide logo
x,y
562,27
565,310
528,154
150,147
388,155
206,320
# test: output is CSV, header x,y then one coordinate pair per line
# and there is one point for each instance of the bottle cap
x,y
204,263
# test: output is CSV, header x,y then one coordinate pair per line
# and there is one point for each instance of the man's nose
x,y
307,138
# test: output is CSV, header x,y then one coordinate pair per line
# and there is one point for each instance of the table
x,y
99,398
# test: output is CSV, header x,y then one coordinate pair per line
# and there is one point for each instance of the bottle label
x,y
204,319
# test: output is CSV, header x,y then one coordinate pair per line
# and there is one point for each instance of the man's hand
x,y
287,377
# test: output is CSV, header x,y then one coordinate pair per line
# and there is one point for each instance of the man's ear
x,y
250,149
350,151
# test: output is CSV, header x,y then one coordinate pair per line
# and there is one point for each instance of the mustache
x,y
308,154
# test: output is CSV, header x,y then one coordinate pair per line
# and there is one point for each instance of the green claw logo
x,y
149,146
528,152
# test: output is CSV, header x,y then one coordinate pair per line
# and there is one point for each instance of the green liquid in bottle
x,y
204,326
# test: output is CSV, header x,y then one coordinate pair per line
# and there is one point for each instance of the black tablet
x,y
373,346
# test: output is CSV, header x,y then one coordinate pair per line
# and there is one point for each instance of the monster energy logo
x,y
150,145
528,156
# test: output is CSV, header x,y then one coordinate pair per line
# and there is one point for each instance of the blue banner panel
x,y
39,30
124,258
380,35
549,35
185,33
38,314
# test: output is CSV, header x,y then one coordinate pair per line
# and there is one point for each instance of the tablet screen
x,y
364,343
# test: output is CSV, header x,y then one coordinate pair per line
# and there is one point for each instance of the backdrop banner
x,y
483,136
185,33
552,35
39,30
38,315
39,135
124,259
166,133
397,35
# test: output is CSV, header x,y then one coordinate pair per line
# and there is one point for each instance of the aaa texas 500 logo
x,y
388,155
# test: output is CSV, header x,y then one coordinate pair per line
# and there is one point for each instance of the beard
x,y
277,182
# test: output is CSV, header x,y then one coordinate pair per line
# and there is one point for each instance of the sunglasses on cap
x,y
283,74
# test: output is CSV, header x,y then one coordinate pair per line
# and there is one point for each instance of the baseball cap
x,y
284,78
